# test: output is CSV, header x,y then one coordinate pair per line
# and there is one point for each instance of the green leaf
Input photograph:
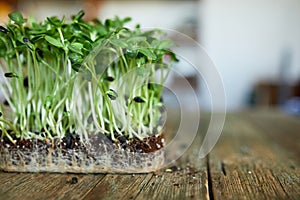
x,y
85,26
75,58
136,39
87,46
141,61
161,44
75,28
53,41
119,43
148,53
37,31
108,23
172,55
37,38
55,21
76,47
101,30
127,19
13,31
78,16
165,44
17,17
30,46
131,53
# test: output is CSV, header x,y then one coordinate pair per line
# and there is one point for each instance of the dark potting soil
x,y
73,142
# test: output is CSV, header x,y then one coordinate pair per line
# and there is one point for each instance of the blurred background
x,y
255,44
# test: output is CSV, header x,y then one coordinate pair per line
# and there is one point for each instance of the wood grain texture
x,y
249,164
45,186
257,157
183,179
186,179
282,129
119,186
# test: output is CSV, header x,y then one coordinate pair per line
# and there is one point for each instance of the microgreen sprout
x,y
80,78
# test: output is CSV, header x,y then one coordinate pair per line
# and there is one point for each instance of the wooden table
x,y
257,157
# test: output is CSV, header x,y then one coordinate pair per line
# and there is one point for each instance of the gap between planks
x,y
247,163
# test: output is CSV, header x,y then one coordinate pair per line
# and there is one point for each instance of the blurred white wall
x,y
156,13
246,39
42,9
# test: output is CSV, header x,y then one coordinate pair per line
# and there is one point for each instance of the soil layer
x,y
99,155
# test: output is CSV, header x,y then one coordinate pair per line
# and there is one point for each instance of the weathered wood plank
x,y
187,179
115,186
186,183
281,128
7,181
46,186
252,160
247,164
184,179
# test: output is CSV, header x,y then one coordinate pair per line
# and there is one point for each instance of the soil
x,y
71,155
147,145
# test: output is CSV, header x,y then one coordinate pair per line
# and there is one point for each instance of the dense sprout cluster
x,y
81,77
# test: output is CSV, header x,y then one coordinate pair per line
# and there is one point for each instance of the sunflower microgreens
x,y
80,77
